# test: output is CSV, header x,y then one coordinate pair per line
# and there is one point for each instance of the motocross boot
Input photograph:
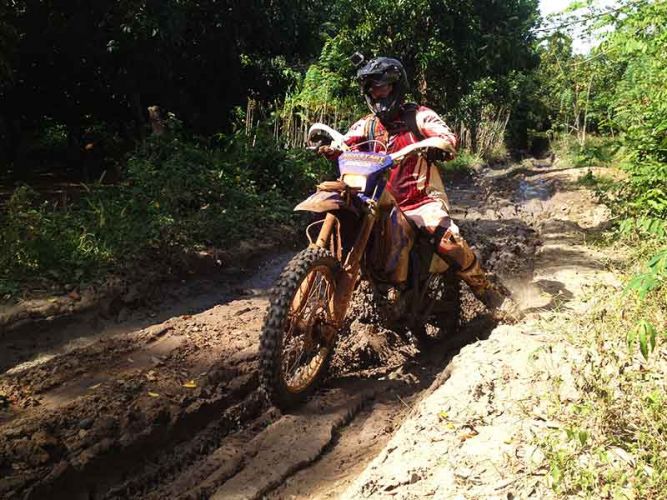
x,y
488,290
492,293
498,300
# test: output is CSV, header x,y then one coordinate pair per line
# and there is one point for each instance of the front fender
x,y
323,201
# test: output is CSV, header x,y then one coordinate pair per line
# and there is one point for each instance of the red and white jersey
x,y
414,182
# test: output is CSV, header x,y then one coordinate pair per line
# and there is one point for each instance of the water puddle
x,y
535,189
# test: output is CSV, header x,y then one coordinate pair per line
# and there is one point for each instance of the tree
x,y
92,67
458,55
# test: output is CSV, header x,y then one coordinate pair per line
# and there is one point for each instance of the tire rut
x,y
95,422
290,444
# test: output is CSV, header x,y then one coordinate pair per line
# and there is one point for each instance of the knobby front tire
x,y
297,337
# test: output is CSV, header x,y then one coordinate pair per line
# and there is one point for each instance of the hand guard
x,y
318,139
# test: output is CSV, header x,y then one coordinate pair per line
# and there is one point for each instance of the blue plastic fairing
x,y
370,165
360,162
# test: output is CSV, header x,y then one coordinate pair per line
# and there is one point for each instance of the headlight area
x,y
357,181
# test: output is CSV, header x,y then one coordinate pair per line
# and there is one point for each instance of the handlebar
x,y
338,138
431,142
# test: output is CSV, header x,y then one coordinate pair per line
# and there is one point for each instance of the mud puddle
x,y
539,189
22,349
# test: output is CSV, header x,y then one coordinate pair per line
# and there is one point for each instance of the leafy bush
x,y
596,151
179,195
464,161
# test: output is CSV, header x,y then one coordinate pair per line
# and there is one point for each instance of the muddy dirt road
x,y
164,403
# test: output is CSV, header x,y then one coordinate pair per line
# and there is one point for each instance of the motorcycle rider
x,y
416,182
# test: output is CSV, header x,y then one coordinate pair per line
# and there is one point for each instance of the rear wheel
x,y
441,314
298,334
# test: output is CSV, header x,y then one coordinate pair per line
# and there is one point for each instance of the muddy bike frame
x,y
345,283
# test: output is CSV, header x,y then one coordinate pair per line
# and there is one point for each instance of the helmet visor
x,y
379,90
378,79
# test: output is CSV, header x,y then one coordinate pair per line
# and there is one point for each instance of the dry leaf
x,y
95,386
153,394
467,435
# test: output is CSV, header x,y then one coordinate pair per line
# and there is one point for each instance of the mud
x,y
164,404
474,433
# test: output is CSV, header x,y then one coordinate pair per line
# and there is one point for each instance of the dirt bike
x,y
363,236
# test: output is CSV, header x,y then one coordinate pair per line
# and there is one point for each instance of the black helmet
x,y
379,71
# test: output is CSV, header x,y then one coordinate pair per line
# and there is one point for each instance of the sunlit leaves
x,y
644,334
644,283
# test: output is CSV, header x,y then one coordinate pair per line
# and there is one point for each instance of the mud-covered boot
x,y
500,304
484,286
492,293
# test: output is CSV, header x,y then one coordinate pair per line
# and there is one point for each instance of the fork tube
x,y
354,257
348,277
325,231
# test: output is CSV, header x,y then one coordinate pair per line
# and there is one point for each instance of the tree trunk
x,y
156,119
588,95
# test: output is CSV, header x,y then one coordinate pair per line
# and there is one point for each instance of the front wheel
x,y
299,333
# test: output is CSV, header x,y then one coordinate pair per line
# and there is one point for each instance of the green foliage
x,y
650,281
459,57
464,162
180,194
568,87
619,89
202,59
644,226
196,58
639,100
645,335
595,151
653,278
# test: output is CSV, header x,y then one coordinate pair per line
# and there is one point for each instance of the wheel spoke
x,y
303,346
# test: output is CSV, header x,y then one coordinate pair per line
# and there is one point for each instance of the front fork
x,y
347,279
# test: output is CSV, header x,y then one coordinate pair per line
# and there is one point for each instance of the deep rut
x,y
172,410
